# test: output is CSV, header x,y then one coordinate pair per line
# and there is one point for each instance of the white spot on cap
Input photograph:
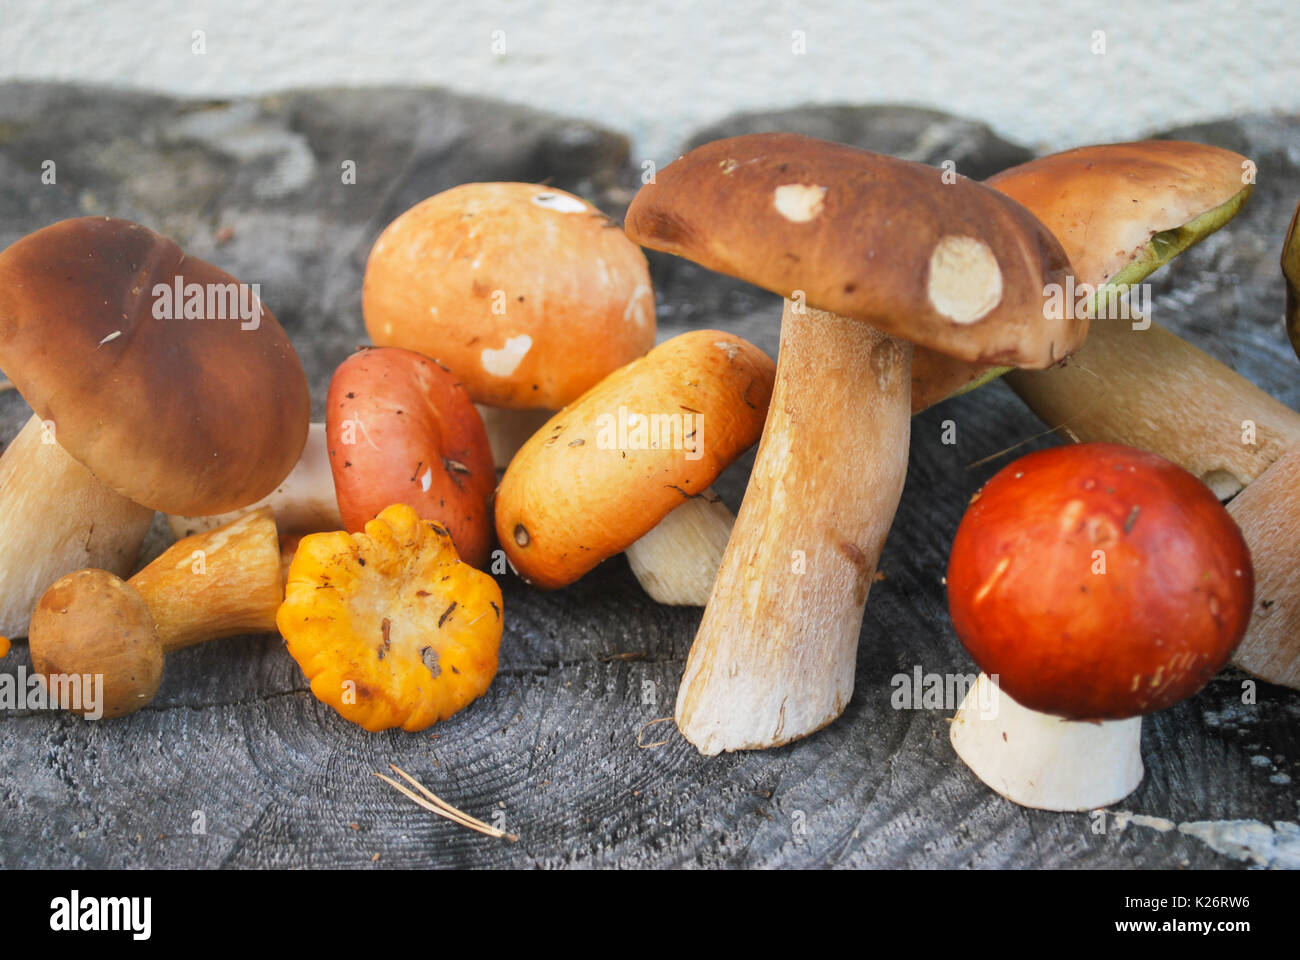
x,y
560,203
965,280
426,481
112,336
635,309
799,202
504,362
729,347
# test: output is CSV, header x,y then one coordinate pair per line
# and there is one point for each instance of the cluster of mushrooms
x,y
515,412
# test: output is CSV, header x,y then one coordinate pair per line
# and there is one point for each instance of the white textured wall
x,y
660,68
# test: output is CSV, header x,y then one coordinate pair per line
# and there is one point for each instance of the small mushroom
x,y
143,401
401,429
219,583
1092,584
873,254
390,627
627,467
529,294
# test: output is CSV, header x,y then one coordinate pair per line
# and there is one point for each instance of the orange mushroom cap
x,y
605,470
530,295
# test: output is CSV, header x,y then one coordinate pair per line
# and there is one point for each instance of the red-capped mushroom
x,y
401,429
1092,584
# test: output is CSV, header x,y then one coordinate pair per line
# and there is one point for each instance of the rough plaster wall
x,y
661,68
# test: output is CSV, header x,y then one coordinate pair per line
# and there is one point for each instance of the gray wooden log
x,y
552,749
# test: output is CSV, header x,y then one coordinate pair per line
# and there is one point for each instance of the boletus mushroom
x,y
529,294
627,466
873,255
1092,583
220,583
143,400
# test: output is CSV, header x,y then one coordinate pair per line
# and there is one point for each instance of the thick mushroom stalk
x,y
1149,388
677,562
774,656
1268,512
1043,761
55,516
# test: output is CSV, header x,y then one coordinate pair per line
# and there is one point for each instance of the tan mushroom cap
x,y
588,484
953,267
184,415
1104,203
529,294
1107,204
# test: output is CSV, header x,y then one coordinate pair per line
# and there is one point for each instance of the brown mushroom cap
x,y
189,416
588,484
953,267
530,295
92,623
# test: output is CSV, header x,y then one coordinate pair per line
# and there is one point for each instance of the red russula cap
x,y
1098,582
401,429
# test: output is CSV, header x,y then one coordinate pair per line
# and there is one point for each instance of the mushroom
x,y
143,401
1092,584
530,295
401,429
304,502
390,627
219,583
1100,202
1121,211
627,467
873,254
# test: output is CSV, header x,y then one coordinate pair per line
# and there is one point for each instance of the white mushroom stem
x,y
303,503
508,430
775,653
1153,390
55,517
1043,761
677,562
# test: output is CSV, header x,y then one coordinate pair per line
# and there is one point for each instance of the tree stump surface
x,y
236,743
